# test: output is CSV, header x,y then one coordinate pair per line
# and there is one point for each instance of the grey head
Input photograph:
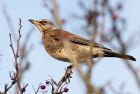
x,y
43,24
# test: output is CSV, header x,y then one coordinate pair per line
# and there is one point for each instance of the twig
x,y
9,22
7,88
22,49
19,36
16,56
36,91
63,80
12,48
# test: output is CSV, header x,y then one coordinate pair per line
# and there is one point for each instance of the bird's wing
x,y
79,40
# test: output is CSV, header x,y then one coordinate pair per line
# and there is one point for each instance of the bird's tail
x,y
114,54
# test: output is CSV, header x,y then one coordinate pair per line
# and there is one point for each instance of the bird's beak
x,y
34,22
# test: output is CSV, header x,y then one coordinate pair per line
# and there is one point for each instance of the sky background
x,y
44,65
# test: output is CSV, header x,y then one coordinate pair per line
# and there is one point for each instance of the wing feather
x,y
79,40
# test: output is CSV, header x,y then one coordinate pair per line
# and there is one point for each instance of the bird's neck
x,y
51,28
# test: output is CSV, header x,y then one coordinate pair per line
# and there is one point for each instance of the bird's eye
x,y
43,22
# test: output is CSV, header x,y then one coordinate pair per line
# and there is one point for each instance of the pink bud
x,y
66,89
42,86
47,82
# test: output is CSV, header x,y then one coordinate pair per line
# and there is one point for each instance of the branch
x,y
64,79
57,87
16,75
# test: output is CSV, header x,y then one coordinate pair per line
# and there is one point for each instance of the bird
x,y
55,43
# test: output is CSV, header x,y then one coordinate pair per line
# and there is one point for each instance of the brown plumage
x,y
54,43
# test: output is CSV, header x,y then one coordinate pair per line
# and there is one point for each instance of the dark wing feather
x,y
82,41
79,40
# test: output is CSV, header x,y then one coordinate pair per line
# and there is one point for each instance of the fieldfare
x,y
54,42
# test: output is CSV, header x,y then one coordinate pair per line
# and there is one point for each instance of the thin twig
x,y
63,80
19,36
16,56
9,22
7,88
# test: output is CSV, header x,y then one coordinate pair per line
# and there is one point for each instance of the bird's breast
x,y
55,49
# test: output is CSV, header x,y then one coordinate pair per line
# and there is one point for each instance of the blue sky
x,y
44,65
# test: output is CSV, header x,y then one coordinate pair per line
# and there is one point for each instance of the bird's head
x,y
43,24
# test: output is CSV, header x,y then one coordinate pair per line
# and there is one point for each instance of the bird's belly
x,y
76,52
80,53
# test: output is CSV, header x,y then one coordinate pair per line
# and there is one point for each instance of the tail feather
x,y
114,54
